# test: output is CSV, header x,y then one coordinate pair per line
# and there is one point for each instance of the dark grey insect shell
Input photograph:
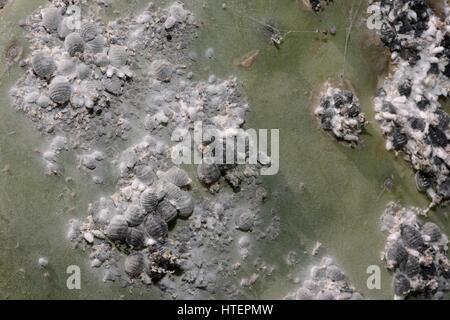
x,y
43,65
144,173
117,228
172,191
135,237
437,137
118,56
51,19
423,181
181,199
423,104
134,215
177,176
88,31
325,102
60,90
396,254
167,210
339,100
349,96
418,124
411,267
134,264
432,231
402,285
162,70
444,189
74,43
244,220
149,201
96,45
335,274
326,119
185,205
156,227
444,119
354,111
388,107
428,272
412,237
405,89
113,85
208,173
399,140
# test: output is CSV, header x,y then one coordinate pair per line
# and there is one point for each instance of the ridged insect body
x,y
149,201
177,176
96,45
412,237
432,231
51,18
167,210
118,55
134,215
74,43
402,285
208,173
134,264
88,31
117,228
156,227
43,65
60,90
135,238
